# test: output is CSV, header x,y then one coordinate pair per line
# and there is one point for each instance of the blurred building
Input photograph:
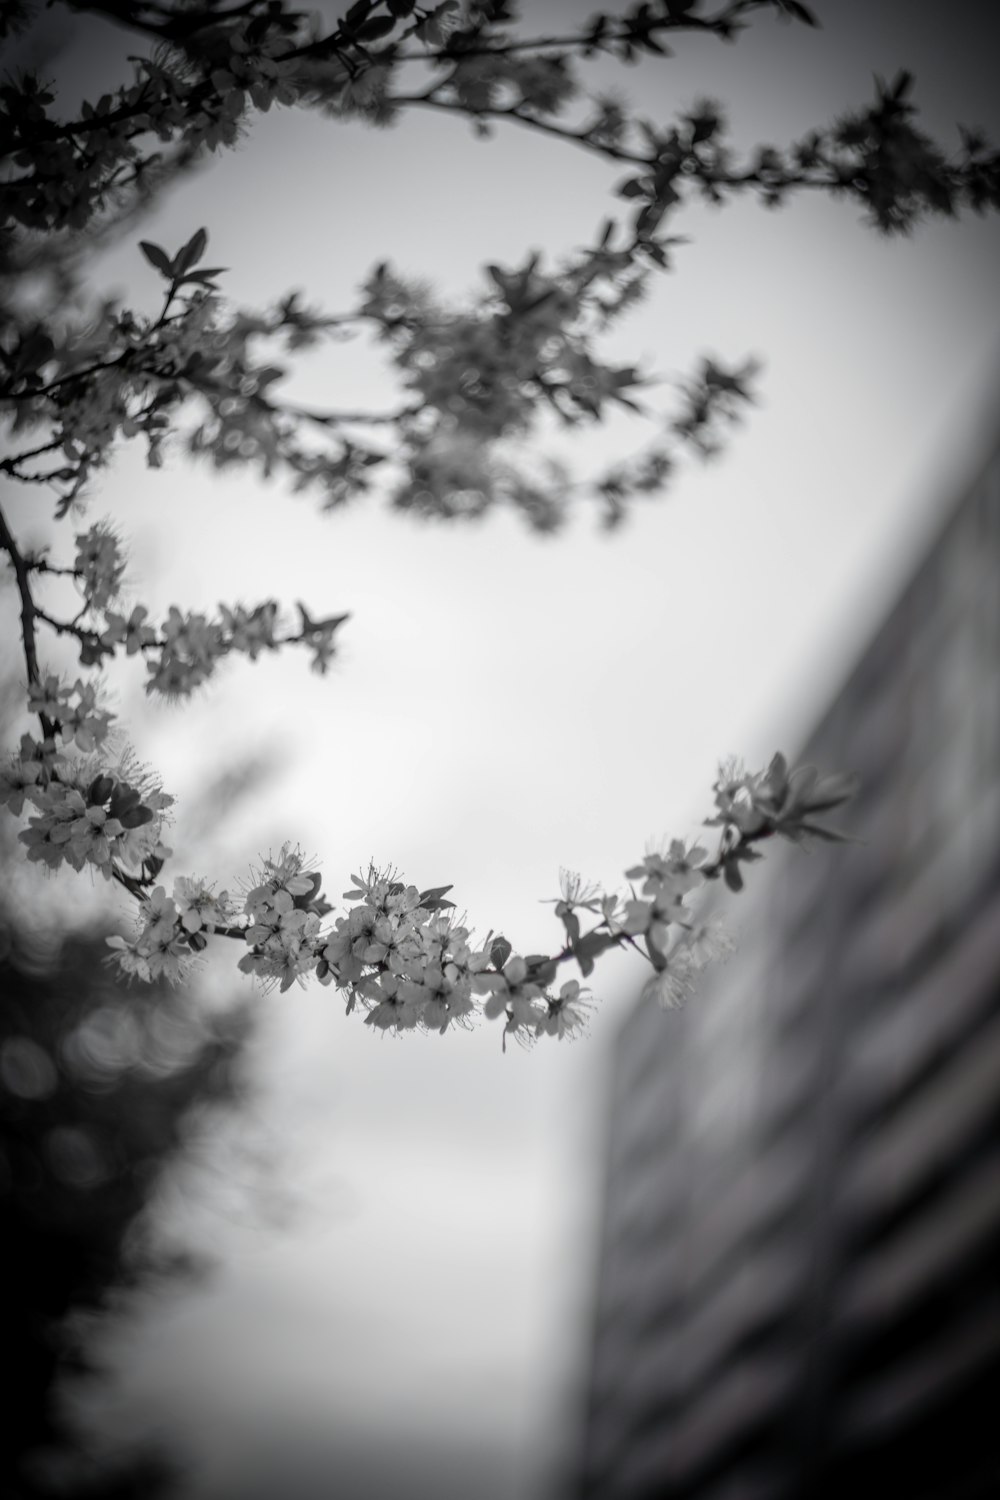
x,y
799,1284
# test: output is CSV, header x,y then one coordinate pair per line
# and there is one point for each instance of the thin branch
x,y
516,113
28,610
10,465
28,613
577,39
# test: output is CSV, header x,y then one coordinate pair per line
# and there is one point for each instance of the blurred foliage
x,y
95,1088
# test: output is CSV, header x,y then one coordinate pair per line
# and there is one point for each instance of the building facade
x,y
799,1286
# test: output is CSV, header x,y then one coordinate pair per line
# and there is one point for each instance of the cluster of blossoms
x,y
398,952
473,376
84,815
285,912
666,881
97,825
74,711
408,960
181,654
75,385
96,808
99,565
402,954
172,930
751,806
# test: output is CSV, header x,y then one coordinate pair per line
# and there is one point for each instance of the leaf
x,y
157,256
631,188
302,902
205,277
125,798
135,817
100,790
375,29
191,253
434,894
500,951
901,85
34,351
777,777
589,946
542,970
831,835
731,875
571,922
356,14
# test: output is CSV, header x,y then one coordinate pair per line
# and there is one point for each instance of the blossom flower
x,y
673,985
18,778
38,841
48,697
575,891
160,915
512,994
778,800
133,632
198,907
92,833
99,564
677,872
567,1013
282,944
283,934
160,948
191,646
704,943
83,723
250,632
129,957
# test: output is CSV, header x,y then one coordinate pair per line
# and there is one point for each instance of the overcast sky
x,y
504,704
